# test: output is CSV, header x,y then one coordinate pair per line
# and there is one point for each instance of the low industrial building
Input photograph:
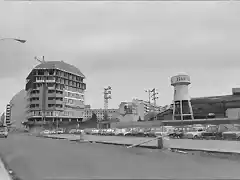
x,y
213,106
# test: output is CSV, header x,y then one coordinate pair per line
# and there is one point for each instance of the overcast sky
x,y
130,46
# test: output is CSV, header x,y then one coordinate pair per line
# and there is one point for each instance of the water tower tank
x,y
182,108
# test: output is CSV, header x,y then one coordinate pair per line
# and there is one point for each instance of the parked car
x,y
45,132
73,131
194,134
140,132
129,132
60,131
150,133
88,131
177,134
231,135
118,132
95,131
3,131
109,132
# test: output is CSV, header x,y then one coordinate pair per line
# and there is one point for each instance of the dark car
x,y
150,133
212,135
140,133
177,134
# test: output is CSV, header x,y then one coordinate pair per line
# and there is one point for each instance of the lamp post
x,y
14,39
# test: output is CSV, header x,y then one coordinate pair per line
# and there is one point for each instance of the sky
x,y
131,46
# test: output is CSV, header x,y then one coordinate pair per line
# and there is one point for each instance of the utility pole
x,y
107,95
149,95
154,96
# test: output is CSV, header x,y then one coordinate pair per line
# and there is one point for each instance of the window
x,y
70,101
51,105
51,91
59,105
40,72
51,98
51,72
59,92
59,98
34,99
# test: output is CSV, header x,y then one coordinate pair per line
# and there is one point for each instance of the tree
x,y
105,116
139,119
94,117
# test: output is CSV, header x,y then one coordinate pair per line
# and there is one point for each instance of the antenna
x,y
41,61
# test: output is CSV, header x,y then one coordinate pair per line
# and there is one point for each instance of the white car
x,y
72,131
45,132
95,131
193,134
4,132
60,131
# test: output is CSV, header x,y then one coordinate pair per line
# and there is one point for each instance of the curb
x,y
207,151
9,174
151,147
102,142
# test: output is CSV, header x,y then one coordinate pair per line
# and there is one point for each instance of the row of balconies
x,y
55,72
52,114
61,80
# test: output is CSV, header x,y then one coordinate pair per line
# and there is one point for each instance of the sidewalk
x,y
3,172
216,146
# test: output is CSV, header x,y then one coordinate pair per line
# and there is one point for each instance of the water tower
x,y
182,108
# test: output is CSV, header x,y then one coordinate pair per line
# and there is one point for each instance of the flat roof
x,y
216,99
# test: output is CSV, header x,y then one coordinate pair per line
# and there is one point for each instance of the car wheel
x,y
195,137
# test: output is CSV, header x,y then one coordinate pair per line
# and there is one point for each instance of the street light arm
x,y
14,39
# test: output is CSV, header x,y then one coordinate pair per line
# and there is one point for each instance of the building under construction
x,y
55,95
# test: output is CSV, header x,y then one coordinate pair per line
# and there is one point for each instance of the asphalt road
x,y
33,158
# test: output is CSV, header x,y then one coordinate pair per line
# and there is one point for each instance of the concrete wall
x,y
136,124
233,112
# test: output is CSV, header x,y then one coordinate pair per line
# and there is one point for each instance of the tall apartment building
x,y
55,92
8,114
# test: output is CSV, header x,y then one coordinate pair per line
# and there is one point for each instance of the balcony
x,y
39,81
50,80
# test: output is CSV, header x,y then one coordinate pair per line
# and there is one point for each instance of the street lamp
x,y
14,39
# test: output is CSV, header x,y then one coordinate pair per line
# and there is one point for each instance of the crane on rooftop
x,y
40,60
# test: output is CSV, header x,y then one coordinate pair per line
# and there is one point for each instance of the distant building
x,y
8,114
131,111
88,113
55,91
148,107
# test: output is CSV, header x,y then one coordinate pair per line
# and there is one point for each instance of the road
x,y
38,158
